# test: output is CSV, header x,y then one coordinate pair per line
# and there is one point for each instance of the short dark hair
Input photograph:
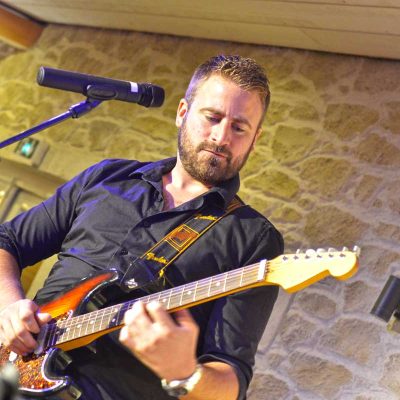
x,y
245,72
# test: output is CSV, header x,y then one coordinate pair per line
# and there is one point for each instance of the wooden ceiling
x,y
358,27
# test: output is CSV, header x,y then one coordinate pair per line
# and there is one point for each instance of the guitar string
x,y
172,294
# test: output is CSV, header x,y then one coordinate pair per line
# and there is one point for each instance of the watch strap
x,y
180,387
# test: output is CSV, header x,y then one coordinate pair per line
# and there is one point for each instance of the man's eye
x,y
238,128
211,118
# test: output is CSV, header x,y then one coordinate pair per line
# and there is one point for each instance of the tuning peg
x,y
298,251
357,250
310,252
332,249
345,249
320,252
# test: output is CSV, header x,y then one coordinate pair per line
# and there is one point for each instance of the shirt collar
x,y
223,193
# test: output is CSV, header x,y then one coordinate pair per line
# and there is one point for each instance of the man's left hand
x,y
164,344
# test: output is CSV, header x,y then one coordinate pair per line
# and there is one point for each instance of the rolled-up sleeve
x,y
238,321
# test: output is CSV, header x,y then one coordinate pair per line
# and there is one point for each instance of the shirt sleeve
x,y
238,321
39,232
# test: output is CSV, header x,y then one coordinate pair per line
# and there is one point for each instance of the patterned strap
x,y
170,247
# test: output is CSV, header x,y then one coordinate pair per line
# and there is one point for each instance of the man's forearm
x,y
219,382
11,288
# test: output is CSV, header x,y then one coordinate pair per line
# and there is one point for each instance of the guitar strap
x,y
153,263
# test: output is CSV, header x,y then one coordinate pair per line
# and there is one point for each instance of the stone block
x,y
367,188
375,149
325,175
317,305
286,214
277,112
317,375
388,231
293,86
359,297
304,112
265,386
376,260
325,71
353,339
296,330
391,121
328,225
377,76
292,144
274,183
346,120
390,376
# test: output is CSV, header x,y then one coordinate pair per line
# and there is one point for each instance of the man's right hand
x,y
19,321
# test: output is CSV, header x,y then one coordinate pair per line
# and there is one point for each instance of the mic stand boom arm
x,y
75,111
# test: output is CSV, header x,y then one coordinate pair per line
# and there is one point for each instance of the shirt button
x,y
146,224
123,252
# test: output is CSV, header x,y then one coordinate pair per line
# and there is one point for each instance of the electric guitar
x,y
41,372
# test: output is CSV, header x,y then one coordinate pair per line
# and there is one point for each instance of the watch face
x,y
176,392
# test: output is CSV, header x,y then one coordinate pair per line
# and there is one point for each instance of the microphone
x,y
95,87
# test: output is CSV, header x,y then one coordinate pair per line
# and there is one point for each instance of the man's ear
x,y
183,108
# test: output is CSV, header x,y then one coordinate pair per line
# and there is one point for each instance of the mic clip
x,y
101,92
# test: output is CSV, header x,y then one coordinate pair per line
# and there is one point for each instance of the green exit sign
x,y
26,147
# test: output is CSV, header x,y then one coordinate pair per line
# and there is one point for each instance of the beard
x,y
208,169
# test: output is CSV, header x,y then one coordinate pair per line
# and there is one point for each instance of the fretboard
x,y
173,299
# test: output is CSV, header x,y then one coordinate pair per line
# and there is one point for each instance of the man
x,y
115,211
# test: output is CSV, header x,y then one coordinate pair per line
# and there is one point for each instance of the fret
x,y
216,285
181,297
101,322
164,298
225,279
115,315
169,299
86,325
241,279
174,302
195,291
110,317
153,297
188,293
209,284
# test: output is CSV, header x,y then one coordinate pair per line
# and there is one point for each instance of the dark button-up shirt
x,y
112,213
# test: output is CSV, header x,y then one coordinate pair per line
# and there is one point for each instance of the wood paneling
x,y
361,27
18,31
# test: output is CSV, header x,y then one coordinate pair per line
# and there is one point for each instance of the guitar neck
x,y
173,299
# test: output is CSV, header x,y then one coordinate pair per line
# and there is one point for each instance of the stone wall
x,y
325,172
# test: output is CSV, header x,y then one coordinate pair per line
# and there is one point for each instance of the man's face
x,y
218,131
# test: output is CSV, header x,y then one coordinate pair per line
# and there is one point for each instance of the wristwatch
x,y
180,387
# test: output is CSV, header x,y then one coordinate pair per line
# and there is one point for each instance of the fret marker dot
x,y
189,293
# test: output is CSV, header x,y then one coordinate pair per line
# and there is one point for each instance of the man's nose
x,y
220,133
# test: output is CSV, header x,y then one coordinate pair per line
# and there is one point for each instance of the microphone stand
x,y
75,111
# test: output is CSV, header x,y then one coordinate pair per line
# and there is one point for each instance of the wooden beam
x,y
17,30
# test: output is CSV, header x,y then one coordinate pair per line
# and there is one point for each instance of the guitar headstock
x,y
296,271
